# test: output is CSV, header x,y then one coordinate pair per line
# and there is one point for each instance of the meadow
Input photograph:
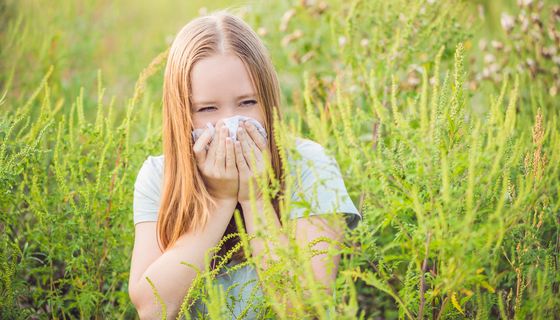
x,y
442,115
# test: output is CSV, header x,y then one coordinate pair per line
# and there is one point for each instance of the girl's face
x,y
222,88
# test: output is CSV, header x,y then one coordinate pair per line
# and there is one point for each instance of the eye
x,y
249,102
205,108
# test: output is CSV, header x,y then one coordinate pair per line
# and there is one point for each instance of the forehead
x,y
219,77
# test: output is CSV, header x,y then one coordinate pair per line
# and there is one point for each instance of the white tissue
x,y
231,123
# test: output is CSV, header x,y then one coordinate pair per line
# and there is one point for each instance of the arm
x,y
324,267
167,275
252,157
171,279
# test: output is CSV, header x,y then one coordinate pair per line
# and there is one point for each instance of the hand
x,y
250,142
217,164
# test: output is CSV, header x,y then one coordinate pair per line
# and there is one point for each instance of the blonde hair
x,y
185,203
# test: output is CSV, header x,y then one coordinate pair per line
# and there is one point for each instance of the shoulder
x,y
147,189
319,184
152,166
308,149
154,162
311,154
150,175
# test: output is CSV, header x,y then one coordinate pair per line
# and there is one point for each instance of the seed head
x,y
262,31
364,43
524,3
341,41
286,19
507,22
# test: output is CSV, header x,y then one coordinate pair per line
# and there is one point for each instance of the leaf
x,y
487,286
456,303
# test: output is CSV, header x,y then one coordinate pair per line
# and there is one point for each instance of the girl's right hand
x,y
217,164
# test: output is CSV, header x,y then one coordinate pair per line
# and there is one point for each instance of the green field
x,y
442,115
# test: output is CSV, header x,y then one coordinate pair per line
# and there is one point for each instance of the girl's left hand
x,y
250,142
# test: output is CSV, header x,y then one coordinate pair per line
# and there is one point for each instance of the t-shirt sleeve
x,y
147,189
321,189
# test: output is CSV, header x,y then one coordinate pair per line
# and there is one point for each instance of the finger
x,y
254,133
199,147
213,145
245,146
230,154
239,158
252,149
220,160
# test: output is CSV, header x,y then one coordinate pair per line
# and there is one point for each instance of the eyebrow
x,y
244,96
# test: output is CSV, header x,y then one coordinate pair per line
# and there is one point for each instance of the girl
x,y
184,200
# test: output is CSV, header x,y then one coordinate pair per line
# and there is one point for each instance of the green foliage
x,y
457,183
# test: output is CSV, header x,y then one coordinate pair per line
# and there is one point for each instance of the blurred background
x,y
120,39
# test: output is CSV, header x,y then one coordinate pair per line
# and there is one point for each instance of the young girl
x,y
218,76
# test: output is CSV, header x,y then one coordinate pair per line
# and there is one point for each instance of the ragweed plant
x,y
450,203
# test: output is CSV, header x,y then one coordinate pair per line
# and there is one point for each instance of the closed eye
x,y
205,108
249,102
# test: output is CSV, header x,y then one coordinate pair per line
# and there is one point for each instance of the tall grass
x,y
457,184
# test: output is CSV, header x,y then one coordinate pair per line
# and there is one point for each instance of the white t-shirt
x,y
320,186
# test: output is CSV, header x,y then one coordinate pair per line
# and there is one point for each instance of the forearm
x,y
259,245
263,248
267,251
170,277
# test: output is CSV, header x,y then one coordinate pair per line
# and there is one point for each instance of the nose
x,y
229,113
226,114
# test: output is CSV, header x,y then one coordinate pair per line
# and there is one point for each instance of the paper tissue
x,y
231,123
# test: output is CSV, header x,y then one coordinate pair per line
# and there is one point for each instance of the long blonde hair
x,y
185,203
